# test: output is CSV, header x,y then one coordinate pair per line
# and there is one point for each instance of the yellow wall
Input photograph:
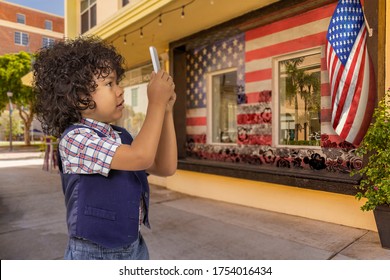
x,y
387,59
105,9
318,205
71,18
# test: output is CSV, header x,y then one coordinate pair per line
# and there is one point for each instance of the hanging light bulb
x,y
212,2
125,40
141,33
160,20
182,12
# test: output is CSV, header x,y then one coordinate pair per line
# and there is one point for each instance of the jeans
x,y
81,249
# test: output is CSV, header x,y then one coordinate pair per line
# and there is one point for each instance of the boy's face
x,y
109,100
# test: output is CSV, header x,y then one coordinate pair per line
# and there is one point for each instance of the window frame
x,y
50,40
21,38
209,106
22,15
47,21
275,97
91,4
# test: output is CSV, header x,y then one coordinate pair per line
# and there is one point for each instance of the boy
x,y
103,170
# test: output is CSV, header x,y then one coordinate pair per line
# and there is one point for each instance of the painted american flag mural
x,y
253,53
220,55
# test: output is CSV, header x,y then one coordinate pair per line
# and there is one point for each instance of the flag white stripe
x,y
196,113
258,64
258,86
351,92
361,111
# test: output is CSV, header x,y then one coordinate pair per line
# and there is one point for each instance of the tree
x,y
306,84
293,80
12,68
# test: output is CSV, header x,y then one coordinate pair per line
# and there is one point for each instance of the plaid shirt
x,y
83,151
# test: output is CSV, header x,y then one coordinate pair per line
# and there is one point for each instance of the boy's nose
x,y
120,91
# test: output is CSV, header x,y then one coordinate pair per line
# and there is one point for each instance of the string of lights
x,y
158,18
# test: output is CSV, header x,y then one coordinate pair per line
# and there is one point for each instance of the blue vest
x,y
105,210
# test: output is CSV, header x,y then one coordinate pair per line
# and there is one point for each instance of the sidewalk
x,y
32,225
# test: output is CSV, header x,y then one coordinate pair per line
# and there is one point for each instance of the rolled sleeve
x,y
83,151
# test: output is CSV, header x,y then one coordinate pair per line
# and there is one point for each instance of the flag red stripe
x,y
357,92
369,107
325,89
326,115
259,75
252,97
282,25
252,118
194,121
346,87
336,63
323,64
287,47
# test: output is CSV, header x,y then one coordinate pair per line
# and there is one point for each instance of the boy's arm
x,y
140,155
165,163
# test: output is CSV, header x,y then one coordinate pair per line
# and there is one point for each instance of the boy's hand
x,y
171,102
161,88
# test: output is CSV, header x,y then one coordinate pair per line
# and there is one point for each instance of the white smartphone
x,y
155,59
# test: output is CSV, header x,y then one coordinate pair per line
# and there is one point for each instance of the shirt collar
x,y
104,128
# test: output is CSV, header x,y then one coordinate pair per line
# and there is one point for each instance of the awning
x,y
27,79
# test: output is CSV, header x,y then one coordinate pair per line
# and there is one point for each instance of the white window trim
x,y
275,95
21,38
51,22
209,106
19,14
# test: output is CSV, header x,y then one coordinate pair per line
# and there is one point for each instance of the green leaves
x,y
12,68
375,185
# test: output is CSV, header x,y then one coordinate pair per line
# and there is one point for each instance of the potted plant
x,y
375,183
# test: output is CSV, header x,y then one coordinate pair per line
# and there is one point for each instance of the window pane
x,y
224,107
20,18
24,39
48,25
93,16
134,97
47,42
83,5
17,38
300,100
125,2
84,22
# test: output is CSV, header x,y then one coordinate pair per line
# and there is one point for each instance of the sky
x,y
52,6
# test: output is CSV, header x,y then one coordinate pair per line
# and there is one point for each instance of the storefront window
x,y
223,97
299,83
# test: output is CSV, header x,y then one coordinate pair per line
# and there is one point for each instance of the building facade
x,y
26,29
252,115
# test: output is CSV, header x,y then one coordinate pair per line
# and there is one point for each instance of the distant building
x,y
26,29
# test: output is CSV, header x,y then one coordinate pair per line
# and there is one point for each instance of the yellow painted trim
x,y
318,205
27,79
127,16
31,29
387,46
72,18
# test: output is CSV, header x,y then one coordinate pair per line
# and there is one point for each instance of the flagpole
x,y
369,29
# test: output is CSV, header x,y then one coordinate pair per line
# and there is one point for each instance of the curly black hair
x,y
64,79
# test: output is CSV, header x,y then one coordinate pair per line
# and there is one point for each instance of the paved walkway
x,y
32,225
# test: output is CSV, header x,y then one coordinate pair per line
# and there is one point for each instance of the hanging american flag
x,y
351,77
